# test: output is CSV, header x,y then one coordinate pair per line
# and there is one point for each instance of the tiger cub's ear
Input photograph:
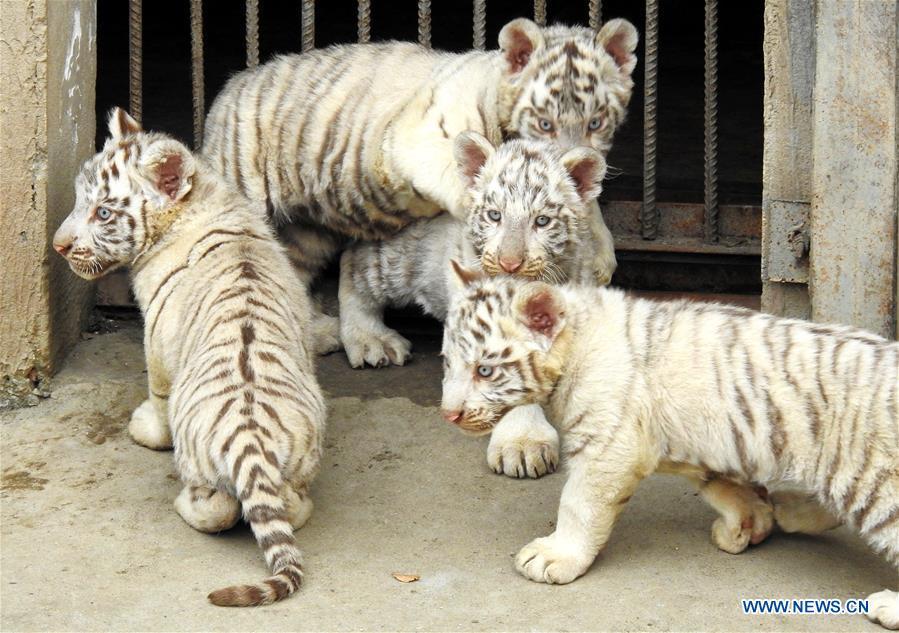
x,y
169,166
541,309
121,124
619,38
586,167
464,277
518,40
471,151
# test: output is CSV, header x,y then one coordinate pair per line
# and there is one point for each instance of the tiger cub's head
x,y
567,84
527,203
124,197
504,344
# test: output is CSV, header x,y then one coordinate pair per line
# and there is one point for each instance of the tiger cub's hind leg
x,y
298,505
746,517
310,248
802,513
207,509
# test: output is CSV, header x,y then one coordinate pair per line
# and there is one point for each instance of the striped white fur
x,y
226,337
636,386
529,215
357,140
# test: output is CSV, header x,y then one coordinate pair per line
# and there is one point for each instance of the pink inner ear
x,y
582,174
519,51
474,160
618,50
541,313
168,176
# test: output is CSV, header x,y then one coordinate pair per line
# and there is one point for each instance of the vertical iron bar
x,y
479,35
424,23
594,9
363,24
135,59
711,121
649,216
196,69
308,25
252,33
540,12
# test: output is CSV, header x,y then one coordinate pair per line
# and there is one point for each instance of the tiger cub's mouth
x,y
91,269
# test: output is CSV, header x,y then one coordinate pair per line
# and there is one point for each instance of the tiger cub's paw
x,y
552,561
800,512
523,448
883,608
325,333
376,349
206,509
148,430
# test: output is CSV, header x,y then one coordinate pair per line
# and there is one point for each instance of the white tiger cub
x,y
226,331
357,140
530,206
637,386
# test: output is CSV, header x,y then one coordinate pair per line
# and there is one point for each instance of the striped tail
x,y
258,483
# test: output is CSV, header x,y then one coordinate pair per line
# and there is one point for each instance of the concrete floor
x,y
90,540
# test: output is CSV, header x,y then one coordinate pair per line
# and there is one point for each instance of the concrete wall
x,y
47,75
831,164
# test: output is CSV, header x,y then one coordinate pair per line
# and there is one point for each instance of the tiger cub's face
x,y
120,195
527,200
568,85
500,348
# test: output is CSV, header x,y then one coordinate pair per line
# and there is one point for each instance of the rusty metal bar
x,y
479,33
196,69
135,59
308,25
711,121
424,23
252,33
649,216
594,10
540,12
363,23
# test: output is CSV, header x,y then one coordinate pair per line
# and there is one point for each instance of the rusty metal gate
x,y
642,226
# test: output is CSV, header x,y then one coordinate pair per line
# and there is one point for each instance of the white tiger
x,y
226,331
357,140
529,215
710,390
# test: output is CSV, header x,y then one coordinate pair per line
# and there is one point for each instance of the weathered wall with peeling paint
x,y
831,162
47,74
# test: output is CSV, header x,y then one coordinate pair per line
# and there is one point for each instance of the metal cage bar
x,y
649,216
479,28
711,122
196,69
424,23
252,33
135,59
308,25
594,12
363,21
540,12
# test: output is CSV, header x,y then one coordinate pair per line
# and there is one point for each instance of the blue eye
x,y
103,213
594,124
546,125
485,371
542,220
494,215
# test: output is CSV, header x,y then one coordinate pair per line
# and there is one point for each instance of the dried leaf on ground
x,y
406,577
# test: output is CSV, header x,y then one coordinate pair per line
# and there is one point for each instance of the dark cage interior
x,y
732,264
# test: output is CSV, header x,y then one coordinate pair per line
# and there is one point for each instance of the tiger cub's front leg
x,y
602,478
523,444
362,331
149,425
604,262
745,515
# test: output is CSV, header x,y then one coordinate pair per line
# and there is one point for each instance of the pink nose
x,y
510,265
62,249
451,416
